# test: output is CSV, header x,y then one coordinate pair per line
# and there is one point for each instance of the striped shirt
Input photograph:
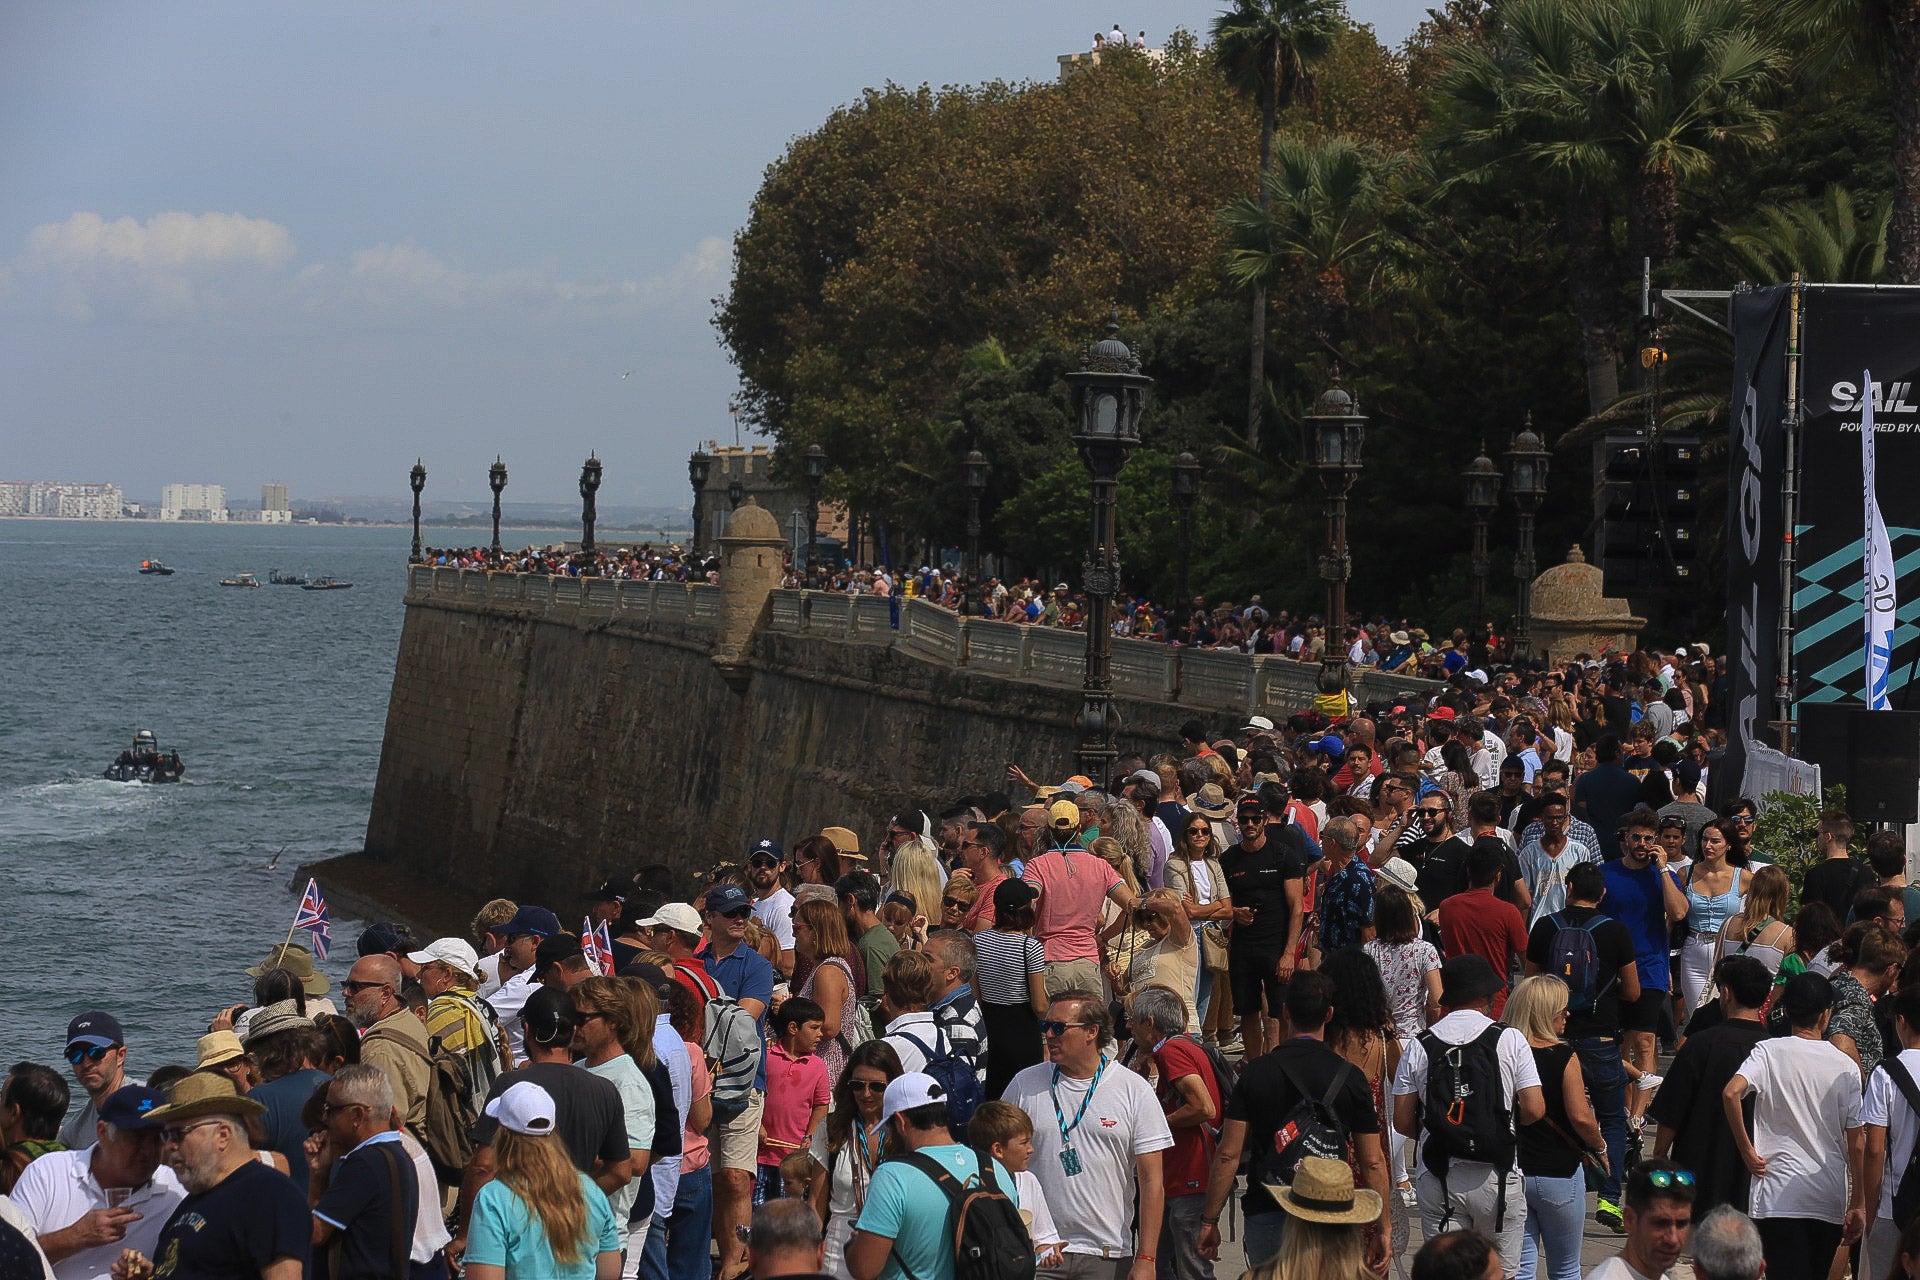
x,y
1001,966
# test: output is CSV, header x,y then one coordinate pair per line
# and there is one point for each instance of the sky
x,y
309,242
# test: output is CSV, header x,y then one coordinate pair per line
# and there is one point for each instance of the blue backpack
x,y
1576,962
956,1077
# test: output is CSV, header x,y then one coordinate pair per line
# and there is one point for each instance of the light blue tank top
x,y
1706,914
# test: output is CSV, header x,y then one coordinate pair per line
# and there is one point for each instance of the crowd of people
x,y
1368,972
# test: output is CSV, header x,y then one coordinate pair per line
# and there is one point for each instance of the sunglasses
x,y
763,864
174,1137
1049,1027
350,988
1199,831
1745,819
953,903
866,1086
741,914
1663,1178
86,1053
330,1107
1433,813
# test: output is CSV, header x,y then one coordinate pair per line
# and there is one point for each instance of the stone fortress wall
x,y
546,733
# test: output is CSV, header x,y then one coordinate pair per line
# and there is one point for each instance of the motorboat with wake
x,y
144,762
327,583
240,580
154,567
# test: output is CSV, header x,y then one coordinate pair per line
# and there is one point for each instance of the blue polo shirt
x,y
746,975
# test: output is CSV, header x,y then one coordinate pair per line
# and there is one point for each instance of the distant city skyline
x,y
312,242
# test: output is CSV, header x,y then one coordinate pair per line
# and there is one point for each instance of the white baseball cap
x,y
677,916
524,1108
904,1093
457,952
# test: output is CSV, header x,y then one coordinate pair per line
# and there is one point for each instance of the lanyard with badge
x,y
1069,1157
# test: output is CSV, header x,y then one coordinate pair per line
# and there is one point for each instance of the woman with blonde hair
x,y
1328,1221
958,900
1760,929
1120,949
916,870
1171,956
1124,823
539,1218
1551,1150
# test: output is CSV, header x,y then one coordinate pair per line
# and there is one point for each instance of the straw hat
x,y
1211,802
300,960
217,1048
273,1018
205,1093
845,842
1323,1191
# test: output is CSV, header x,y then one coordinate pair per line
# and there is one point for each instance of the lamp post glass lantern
x,y
1483,496
1186,491
589,484
496,480
417,480
816,469
1336,442
698,468
1527,460
1109,397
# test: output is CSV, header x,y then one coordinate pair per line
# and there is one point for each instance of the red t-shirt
x,y
1477,923
795,1086
1184,1169
980,914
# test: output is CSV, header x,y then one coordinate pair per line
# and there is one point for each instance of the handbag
x,y
1213,947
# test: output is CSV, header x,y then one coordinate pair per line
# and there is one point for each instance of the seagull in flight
x,y
626,375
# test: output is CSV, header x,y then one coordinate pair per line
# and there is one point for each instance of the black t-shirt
x,y
1258,879
1443,871
666,1136
1510,803
1265,1094
1689,1103
587,1112
235,1228
360,1205
1834,882
1614,945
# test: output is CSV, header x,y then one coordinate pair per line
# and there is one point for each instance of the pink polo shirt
x,y
1072,884
795,1086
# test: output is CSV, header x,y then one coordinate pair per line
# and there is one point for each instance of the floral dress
x,y
835,1051
1853,1016
1404,967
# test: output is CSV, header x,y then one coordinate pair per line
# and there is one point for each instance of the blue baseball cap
x,y
128,1107
727,897
534,920
770,847
101,1030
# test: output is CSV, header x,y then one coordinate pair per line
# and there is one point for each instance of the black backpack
x,y
1465,1112
1906,1192
1312,1128
990,1242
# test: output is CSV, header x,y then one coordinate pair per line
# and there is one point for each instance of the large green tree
x,y
1266,48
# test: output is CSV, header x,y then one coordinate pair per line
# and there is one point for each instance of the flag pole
x,y
296,920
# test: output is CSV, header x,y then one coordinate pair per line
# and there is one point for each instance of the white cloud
x,y
176,264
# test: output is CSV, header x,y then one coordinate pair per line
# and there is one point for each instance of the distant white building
x,y
274,508
199,502
61,500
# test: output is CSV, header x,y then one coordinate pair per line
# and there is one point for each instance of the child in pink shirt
x,y
798,1091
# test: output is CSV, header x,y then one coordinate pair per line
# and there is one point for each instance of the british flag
x,y
312,917
602,961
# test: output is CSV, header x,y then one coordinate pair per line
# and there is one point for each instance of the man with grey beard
x,y
240,1217
393,1038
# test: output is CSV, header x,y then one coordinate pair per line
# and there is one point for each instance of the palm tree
x,y
1626,95
1265,47
1323,213
1845,37
1826,241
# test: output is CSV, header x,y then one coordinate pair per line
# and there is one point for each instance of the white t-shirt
x,y
1093,1209
430,1233
672,1052
1033,1200
923,1025
775,912
489,975
508,1000
1807,1094
58,1189
1517,1069
1885,1106
1617,1269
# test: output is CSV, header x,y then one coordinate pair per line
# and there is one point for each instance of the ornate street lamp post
x,y
418,479
697,468
816,467
589,482
1483,496
1527,482
1336,436
1109,395
735,492
496,480
977,468
1186,491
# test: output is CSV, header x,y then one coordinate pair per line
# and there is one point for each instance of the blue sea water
x,y
149,901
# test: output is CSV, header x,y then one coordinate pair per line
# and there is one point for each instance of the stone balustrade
x,y
1216,679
